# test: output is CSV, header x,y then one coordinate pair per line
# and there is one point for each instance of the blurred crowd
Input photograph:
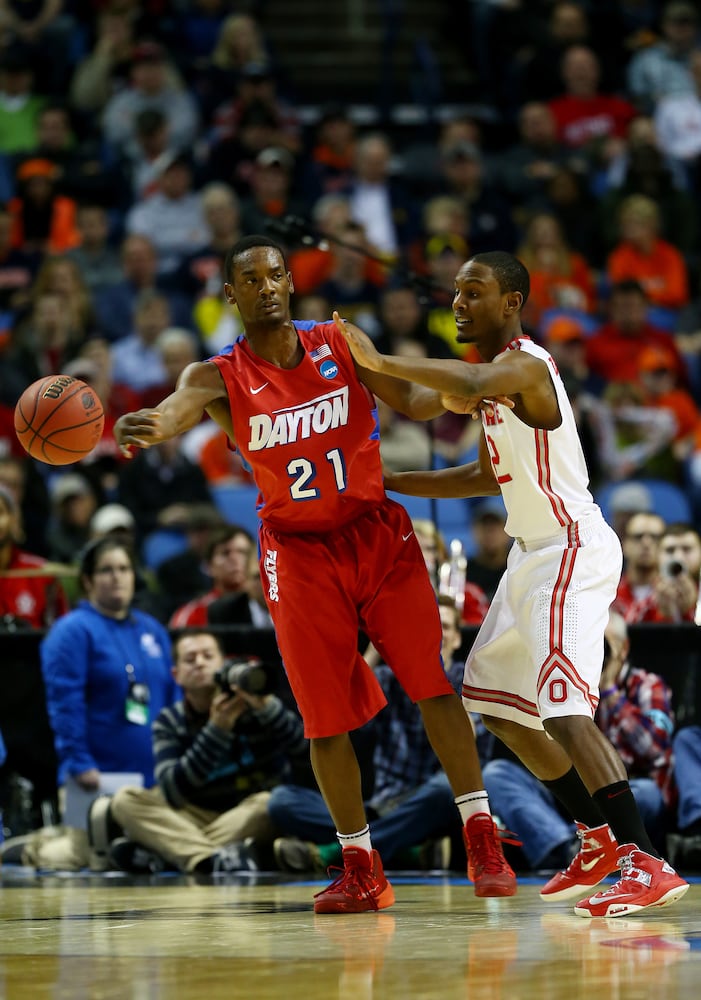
x,y
138,141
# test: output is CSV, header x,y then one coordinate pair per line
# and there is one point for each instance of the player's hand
x,y
361,347
140,429
474,406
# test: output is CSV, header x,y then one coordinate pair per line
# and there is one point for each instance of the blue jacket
x,y
83,661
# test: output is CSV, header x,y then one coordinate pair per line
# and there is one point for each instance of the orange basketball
x,y
59,419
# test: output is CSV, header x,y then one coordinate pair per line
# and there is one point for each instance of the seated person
x,y
218,753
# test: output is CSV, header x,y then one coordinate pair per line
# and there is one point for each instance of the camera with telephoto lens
x,y
243,674
673,568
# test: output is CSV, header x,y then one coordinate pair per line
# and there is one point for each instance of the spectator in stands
x,y
404,444
378,201
45,30
642,168
641,566
201,271
136,361
487,560
142,164
219,752
347,286
635,714
678,121
329,166
561,279
464,176
43,221
685,846
158,482
526,168
116,305
658,377
675,593
17,271
107,675
271,194
183,577
46,340
626,500
613,350
565,338
105,69
34,600
177,348
63,277
411,799
642,255
227,560
73,503
663,68
538,73
27,487
403,321
150,86
19,103
96,259
172,217
585,117
240,44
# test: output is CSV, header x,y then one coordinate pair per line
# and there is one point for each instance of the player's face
x,y
197,659
478,303
260,287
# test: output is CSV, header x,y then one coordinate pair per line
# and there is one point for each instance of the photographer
x,y
675,592
218,753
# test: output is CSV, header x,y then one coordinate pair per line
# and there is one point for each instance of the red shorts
x,y
321,589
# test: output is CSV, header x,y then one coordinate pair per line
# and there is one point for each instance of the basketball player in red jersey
x,y
534,669
336,553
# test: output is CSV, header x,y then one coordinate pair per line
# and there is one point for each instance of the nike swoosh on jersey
x,y
587,866
254,392
404,537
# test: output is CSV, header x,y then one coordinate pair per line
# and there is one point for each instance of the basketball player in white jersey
x,y
534,669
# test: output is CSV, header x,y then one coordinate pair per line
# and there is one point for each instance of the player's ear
x,y
292,284
229,293
514,301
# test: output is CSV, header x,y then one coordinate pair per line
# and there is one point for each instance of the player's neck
x,y
280,347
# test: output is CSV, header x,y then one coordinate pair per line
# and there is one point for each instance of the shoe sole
x,y
384,900
627,909
573,890
492,889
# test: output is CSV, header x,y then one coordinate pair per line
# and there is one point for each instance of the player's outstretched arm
x,y
200,386
475,479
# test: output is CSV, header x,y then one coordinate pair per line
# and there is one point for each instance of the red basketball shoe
x,y
486,865
645,882
596,858
360,886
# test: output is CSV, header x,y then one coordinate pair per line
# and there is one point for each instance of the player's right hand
x,y
139,429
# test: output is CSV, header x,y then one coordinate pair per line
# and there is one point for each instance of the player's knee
x,y
501,728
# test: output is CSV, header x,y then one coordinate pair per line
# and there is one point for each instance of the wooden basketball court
x,y
113,937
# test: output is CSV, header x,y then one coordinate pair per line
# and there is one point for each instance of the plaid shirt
x,y
639,721
403,757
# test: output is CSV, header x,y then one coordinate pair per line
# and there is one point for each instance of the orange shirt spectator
x,y
53,228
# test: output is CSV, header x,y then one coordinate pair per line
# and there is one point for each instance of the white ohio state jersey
x,y
542,474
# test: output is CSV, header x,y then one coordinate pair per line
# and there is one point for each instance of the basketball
x,y
59,419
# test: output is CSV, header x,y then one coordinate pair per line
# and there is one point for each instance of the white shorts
x,y
539,651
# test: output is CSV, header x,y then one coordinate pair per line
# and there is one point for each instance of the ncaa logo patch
x,y
329,369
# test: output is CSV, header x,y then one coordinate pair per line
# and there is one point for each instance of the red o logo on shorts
x,y
557,691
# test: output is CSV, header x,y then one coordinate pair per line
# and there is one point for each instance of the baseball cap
x,y
564,329
275,156
112,517
446,243
69,485
631,498
36,167
489,507
653,359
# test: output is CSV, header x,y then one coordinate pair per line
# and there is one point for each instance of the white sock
x,y
473,803
359,839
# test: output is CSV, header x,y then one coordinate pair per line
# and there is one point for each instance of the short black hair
x,y
190,632
220,536
510,273
248,243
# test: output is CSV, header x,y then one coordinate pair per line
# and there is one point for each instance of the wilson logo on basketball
x,y
56,388
88,401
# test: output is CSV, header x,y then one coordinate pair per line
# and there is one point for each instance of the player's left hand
x,y
474,406
361,347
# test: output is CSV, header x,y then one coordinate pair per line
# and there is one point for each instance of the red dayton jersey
x,y
309,434
38,600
